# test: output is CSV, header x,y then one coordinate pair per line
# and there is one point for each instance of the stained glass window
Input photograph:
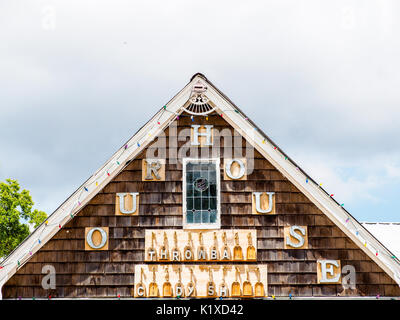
x,y
202,187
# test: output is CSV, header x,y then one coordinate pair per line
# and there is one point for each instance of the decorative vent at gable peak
x,y
198,103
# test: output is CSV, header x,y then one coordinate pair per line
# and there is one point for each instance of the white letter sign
x,y
228,167
329,271
98,240
197,134
257,202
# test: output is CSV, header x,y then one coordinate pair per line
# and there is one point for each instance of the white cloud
x,y
352,181
319,77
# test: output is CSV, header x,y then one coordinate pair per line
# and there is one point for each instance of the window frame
x,y
217,224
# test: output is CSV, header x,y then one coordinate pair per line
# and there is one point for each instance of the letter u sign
x,y
263,202
127,203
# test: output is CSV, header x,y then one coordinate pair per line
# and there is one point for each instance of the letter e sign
x,y
328,271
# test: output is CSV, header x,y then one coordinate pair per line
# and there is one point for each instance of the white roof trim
x,y
146,135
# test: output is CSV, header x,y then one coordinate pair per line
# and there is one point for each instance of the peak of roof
x,y
198,74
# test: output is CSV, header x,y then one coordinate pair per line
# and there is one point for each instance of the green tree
x,y
15,214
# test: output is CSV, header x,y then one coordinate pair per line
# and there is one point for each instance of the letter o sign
x,y
239,173
96,238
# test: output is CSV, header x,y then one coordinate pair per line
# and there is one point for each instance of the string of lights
x,y
115,163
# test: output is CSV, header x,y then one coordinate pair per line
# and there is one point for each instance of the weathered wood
x,y
111,272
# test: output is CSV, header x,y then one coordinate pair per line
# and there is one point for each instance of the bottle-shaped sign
x,y
188,250
191,287
167,288
152,252
237,250
247,287
179,288
153,288
226,254
201,251
223,288
235,291
214,254
164,252
175,252
140,287
259,287
251,251
211,290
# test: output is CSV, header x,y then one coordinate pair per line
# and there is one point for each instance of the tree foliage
x,y
15,214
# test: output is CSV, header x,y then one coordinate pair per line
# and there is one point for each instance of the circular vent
x,y
199,105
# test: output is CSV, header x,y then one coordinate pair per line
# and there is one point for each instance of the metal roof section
x,y
388,234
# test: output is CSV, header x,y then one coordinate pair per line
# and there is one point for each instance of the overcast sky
x,y
321,78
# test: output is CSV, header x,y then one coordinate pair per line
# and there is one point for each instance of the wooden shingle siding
x,y
110,273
